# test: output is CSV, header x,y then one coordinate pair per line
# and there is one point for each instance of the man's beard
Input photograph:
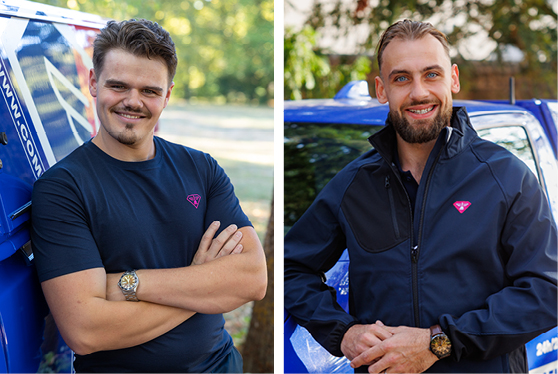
x,y
423,131
128,136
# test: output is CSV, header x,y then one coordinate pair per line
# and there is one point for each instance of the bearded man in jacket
x,y
451,239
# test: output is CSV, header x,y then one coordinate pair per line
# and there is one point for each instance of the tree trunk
x,y
258,348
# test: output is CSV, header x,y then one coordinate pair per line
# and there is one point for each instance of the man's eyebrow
x,y
428,68
120,83
115,82
397,72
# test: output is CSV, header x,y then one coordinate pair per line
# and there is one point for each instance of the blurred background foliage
x,y
224,47
521,34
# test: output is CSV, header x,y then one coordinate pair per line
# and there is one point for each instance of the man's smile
x,y
130,115
421,111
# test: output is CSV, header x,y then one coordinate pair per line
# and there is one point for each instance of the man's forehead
x,y
123,65
416,53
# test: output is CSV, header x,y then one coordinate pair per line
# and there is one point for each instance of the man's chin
x,y
418,131
127,140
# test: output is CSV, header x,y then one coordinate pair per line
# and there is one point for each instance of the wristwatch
x,y
440,344
128,283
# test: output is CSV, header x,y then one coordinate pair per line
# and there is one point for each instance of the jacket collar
x,y
457,137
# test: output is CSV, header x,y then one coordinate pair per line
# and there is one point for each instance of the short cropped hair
x,y
141,38
409,30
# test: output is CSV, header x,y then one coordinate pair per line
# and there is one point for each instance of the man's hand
x,y
407,351
360,338
226,243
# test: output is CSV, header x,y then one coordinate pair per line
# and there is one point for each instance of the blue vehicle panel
x,y
353,105
46,111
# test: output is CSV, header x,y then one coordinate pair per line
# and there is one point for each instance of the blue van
x,y
46,111
322,136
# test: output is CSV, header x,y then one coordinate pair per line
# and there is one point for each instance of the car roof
x,y
368,111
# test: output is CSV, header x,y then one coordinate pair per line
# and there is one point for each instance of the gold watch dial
x,y
128,281
441,345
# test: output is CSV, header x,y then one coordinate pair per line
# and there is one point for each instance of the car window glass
x,y
515,140
314,153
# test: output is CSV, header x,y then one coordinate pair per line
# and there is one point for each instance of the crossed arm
x,y
91,315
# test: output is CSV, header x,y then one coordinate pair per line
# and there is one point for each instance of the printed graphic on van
x,y
50,63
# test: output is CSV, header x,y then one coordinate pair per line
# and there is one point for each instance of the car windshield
x,y
314,153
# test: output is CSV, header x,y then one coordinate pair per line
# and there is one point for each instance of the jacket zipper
x,y
392,206
415,249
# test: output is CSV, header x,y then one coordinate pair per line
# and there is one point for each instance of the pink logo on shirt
x,y
194,200
461,206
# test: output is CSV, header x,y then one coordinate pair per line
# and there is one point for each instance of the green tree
x,y
224,47
310,74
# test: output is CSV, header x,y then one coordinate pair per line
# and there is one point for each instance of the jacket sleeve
x,y
312,246
527,307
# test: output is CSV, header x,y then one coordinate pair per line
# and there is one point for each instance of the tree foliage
x,y
310,74
224,47
527,25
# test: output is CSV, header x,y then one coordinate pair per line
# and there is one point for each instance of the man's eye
x,y
431,75
400,79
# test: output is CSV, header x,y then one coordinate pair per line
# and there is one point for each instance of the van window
x,y
515,140
314,153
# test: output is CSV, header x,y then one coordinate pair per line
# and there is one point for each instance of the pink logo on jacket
x,y
461,206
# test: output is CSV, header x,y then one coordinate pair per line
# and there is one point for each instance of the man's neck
x,y
413,157
129,153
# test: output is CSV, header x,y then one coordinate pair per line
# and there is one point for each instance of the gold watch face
x,y
127,282
440,345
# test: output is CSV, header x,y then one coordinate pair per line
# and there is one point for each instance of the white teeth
x,y
423,111
131,117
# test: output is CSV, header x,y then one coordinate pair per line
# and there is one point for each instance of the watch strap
x,y
435,330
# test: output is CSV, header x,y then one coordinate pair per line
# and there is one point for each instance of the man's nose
x,y
133,100
419,90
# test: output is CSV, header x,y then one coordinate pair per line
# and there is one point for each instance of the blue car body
x,y
45,112
353,105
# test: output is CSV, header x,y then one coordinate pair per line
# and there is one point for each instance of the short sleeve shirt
x,y
91,210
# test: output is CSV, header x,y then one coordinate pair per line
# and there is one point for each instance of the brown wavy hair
x,y
142,38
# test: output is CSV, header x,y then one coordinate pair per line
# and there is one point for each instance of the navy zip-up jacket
x,y
477,255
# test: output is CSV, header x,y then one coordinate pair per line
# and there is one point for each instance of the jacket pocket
x,y
392,206
376,210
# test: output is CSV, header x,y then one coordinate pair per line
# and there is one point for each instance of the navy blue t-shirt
x,y
91,210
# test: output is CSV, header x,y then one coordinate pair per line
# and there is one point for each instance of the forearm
x,y
123,324
90,323
213,287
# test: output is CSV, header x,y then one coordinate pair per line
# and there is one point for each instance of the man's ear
x,y
167,97
455,86
380,90
92,83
